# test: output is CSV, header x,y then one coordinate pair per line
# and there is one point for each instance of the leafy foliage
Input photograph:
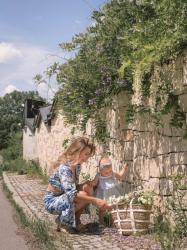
x,y
127,41
14,147
170,225
11,114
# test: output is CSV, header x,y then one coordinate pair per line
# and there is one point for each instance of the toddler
x,y
106,183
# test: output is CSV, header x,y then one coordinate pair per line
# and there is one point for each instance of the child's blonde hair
x,y
102,166
73,151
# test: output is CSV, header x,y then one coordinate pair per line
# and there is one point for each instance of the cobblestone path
x,y
30,191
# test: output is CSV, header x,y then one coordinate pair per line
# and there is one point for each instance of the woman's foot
x,y
58,229
70,230
64,228
57,221
80,226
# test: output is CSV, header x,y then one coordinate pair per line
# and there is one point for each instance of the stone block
x,y
141,143
166,187
159,166
178,144
116,149
141,168
164,145
116,122
89,127
179,170
127,135
116,164
129,175
128,150
121,118
183,102
165,129
152,184
179,76
143,123
185,68
183,194
154,167
157,144
178,158
112,124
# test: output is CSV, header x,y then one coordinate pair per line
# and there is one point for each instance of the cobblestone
x,y
31,192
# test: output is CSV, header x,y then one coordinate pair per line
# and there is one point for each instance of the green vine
x,y
122,51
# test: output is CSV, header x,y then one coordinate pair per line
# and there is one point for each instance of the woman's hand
x,y
102,204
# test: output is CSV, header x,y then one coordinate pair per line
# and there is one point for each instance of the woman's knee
x,y
79,202
88,189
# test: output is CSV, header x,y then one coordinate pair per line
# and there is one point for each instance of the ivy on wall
x,y
129,41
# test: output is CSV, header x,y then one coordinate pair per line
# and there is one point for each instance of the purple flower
x,y
92,101
98,92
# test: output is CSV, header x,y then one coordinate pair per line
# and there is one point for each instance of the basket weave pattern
x,y
132,218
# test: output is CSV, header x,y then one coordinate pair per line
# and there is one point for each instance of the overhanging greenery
x,y
128,40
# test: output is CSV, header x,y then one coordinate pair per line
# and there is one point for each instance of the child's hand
x,y
125,167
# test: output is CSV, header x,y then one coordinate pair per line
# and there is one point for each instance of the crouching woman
x,y
62,197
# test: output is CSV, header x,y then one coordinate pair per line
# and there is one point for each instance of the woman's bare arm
x,y
81,195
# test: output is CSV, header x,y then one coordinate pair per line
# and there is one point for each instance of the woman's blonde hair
x,y
73,151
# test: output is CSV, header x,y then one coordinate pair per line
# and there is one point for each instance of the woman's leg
x,y
80,204
101,216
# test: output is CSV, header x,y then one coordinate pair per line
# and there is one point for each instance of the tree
x,y
11,114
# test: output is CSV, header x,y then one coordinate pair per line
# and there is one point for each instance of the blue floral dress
x,y
63,204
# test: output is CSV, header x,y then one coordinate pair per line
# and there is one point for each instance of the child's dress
x,y
107,187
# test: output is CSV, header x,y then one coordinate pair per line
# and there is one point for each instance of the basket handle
x,y
118,219
132,216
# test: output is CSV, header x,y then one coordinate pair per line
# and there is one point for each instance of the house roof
x,y
36,111
45,114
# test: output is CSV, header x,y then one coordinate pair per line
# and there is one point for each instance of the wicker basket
x,y
132,218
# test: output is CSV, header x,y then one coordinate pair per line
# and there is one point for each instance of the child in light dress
x,y
105,184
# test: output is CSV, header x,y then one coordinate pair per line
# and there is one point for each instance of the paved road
x,y
9,239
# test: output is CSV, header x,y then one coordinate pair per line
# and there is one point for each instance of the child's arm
x,y
121,173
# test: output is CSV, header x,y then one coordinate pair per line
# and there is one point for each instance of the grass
x,y
31,168
39,229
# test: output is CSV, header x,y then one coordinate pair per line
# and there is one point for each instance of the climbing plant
x,y
129,41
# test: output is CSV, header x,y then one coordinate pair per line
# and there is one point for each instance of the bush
x,y
14,149
170,226
17,165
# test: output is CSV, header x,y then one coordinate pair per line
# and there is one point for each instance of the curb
x,y
31,216
17,199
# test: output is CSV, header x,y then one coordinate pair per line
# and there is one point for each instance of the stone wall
x,y
50,141
152,153
29,145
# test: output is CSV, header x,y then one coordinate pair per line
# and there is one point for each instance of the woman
x,y
62,197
